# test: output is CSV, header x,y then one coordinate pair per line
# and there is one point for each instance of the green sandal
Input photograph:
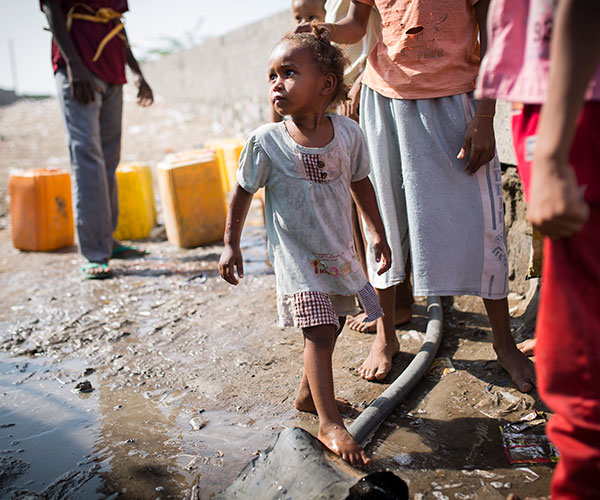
x,y
96,271
128,252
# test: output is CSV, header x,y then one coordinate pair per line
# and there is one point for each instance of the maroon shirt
x,y
86,37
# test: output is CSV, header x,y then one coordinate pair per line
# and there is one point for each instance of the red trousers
x,y
568,328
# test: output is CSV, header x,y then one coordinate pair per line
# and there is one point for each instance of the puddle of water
x,y
132,444
44,424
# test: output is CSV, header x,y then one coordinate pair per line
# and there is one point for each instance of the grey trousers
x,y
94,137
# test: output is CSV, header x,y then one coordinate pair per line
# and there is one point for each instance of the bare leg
x,y
385,346
318,349
519,367
304,400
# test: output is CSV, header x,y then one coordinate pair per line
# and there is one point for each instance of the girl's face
x,y
305,11
296,84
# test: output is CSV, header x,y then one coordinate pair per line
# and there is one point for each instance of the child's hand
x,y
557,208
82,83
349,107
479,142
231,259
383,254
308,28
145,97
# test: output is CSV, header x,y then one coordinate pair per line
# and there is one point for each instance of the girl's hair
x,y
328,57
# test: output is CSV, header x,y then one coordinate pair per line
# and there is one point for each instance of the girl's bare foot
x,y
519,367
304,402
379,361
358,323
513,496
527,347
339,440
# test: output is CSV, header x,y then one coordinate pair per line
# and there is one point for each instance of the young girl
x,y
310,164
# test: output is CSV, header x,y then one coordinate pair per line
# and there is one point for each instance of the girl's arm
x,y
557,206
349,30
231,258
364,196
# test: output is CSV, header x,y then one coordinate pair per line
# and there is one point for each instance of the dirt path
x,y
191,376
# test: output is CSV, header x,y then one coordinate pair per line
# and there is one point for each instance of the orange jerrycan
x,y
193,199
41,211
137,212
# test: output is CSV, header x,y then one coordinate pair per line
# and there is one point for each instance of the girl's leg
x,y
304,400
319,342
519,367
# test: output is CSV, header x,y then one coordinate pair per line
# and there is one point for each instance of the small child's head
x,y
305,11
306,73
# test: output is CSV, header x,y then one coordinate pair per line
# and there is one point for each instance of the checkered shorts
x,y
306,309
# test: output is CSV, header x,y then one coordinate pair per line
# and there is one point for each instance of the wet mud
x,y
189,378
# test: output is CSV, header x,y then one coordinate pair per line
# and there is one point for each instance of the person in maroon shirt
x,y
89,54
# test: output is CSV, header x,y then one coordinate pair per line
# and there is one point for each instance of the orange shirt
x,y
428,48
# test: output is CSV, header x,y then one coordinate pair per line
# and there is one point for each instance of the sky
x,y
150,24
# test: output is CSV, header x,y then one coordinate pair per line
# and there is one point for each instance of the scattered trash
x,y
482,473
417,422
499,403
525,441
530,476
499,485
198,423
200,277
403,459
83,387
441,367
414,335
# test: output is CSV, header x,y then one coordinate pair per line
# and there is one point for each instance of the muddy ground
x,y
191,377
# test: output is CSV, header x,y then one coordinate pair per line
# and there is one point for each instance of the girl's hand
x,y
479,142
231,259
383,254
557,207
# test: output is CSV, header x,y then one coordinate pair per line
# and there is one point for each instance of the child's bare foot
x,y
358,323
379,361
339,440
513,496
304,402
519,367
527,347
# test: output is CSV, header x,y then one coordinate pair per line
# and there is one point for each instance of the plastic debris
x,y
530,476
441,367
83,387
525,441
403,459
498,403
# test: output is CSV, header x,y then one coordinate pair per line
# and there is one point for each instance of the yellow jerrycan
x,y
137,211
193,199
